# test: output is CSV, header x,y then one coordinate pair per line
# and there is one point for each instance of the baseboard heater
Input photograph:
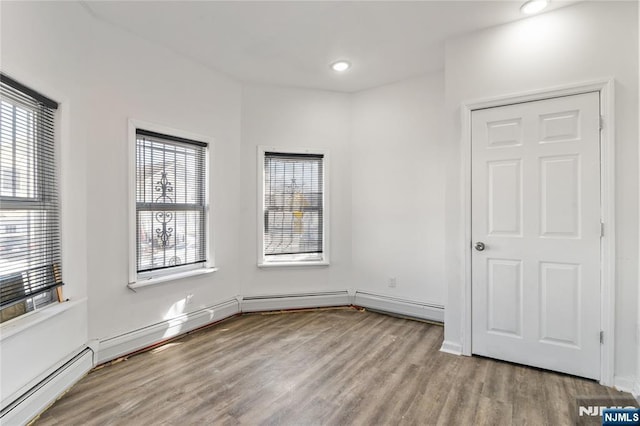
x,y
295,301
39,397
132,341
392,305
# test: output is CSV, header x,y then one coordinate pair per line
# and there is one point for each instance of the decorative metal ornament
x,y
165,187
165,232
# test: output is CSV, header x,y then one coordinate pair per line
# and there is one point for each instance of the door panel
x,y
560,286
504,284
536,207
505,198
560,126
504,133
560,198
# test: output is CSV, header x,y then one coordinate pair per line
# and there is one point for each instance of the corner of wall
x,y
451,347
626,384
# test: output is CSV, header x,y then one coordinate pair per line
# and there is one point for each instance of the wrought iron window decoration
x,y
170,201
164,218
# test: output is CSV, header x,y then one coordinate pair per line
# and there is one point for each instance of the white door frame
x,y
605,87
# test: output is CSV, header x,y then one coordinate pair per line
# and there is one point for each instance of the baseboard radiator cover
x,y
33,402
127,343
295,301
392,305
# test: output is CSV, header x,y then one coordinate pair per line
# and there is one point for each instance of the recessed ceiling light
x,y
340,66
533,6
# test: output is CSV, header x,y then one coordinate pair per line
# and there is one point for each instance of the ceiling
x,y
293,43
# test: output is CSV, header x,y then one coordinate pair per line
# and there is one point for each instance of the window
x,y
29,210
171,204
293,200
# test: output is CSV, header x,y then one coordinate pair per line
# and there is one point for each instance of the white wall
x,y
586,41
286,117
103,76
391,136
636,388
30,354
140,80
49,59
398,190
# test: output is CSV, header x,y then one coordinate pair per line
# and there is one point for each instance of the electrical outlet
x,y
187,300
392,282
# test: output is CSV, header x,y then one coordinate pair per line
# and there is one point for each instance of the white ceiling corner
x,y
293,43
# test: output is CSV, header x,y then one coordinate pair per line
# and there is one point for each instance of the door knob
x,y
479,246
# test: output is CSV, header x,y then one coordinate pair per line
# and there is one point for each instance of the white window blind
x,y
30,249
293,206
171,201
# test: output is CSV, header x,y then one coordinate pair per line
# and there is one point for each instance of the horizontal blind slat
x,y
170,201
294,203
30,249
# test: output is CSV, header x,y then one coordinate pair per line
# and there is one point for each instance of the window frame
x,y
147,278
53,296
263,262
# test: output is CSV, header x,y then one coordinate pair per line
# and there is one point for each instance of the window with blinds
x,y
30,249
171,209
293,223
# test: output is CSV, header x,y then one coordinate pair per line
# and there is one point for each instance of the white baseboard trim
x,y
33,402
624,383
295,301
132,341
628,384
394,305
451,348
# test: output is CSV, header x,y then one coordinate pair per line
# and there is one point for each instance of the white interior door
x,y
536,208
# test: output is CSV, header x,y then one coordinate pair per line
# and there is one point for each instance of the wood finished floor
x,y
335,367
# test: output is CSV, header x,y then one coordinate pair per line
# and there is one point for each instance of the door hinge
x,y
601,337
601,229
601,122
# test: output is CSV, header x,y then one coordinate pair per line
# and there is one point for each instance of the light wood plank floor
x,y
335,367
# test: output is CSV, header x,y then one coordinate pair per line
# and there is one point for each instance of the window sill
x,y
171,277
293,264
30,319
